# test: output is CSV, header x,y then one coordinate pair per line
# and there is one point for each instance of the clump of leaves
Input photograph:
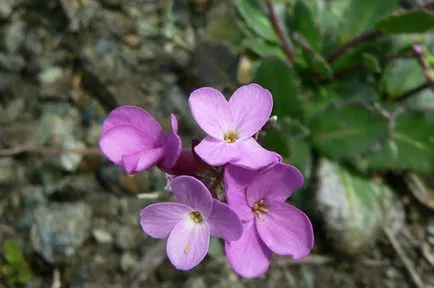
x,y
354,90
15,269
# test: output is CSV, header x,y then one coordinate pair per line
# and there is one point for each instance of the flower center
x,y
196,217
230,137
259,208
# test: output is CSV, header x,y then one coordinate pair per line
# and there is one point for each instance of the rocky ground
x,y
73,215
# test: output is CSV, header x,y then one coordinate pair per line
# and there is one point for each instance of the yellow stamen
x,y
196,217
187,248
230,137
259,208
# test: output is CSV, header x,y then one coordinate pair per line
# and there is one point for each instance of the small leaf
x,y
24,276
224,30
361,16
262,48
372,63
255,17
410,146
276,76
342,133
12,253
313,59
400,76
354,208
410,22
303,22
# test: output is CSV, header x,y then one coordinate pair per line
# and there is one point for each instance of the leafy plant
x,y
351,74
15,270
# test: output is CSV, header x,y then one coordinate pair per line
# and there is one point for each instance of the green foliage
x,y
411,22
345,132
358,99
361,16
409,147
279,78
304,24
255,17
15,270
400,76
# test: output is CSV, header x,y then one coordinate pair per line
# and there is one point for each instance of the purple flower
x,y
190,222
133,139
269,224
231,124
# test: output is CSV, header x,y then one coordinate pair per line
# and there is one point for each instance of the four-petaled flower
x,y
269,224
133,139
231,124
190,222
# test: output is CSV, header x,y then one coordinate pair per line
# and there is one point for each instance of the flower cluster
x,y
255,220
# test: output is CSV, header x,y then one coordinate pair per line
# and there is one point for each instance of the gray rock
x,y
14,36
70,161
102,236
7,170
14,109
13,63
50,75
59,230
128,238
128,261
6,8
32,196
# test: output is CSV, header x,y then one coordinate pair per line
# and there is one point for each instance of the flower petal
x,y
285,230
276,183
251,155
159,219
251,107
172,145
124,140
224,223
188,244
135,117
236,180
215,152
248,256
211,112
193,193
142,160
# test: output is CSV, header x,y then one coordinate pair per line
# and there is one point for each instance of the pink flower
x,y
269,224
231,124
190,222
133,139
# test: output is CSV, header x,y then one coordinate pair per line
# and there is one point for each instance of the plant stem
x,y
276,25
413,91
369,35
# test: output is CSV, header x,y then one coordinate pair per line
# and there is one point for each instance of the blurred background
x,y
351,81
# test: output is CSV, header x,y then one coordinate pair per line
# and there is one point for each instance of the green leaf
x,y
313,59
372,63
263,49
400,76
361,16
255,17
12,253
277,142
24,276
410,22
354,208
280,79
303,22
409,148
342,133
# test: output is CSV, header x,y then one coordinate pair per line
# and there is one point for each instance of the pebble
x,y
59,230
102,236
